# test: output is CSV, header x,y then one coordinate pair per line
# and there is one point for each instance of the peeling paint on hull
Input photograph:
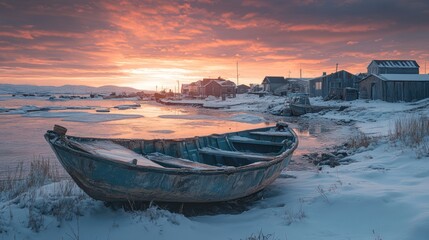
x,y
111,181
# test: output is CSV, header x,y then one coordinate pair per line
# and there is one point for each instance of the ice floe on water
x,y
189,117
241,117
74,116
127,106
247,118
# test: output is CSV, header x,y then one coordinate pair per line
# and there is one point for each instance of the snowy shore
x,y
382,194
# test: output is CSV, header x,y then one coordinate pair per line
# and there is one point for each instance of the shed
x,y
271,83
332,86
242,88
395,87
393,67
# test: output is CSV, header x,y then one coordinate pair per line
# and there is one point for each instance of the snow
x,y
381,195
405,77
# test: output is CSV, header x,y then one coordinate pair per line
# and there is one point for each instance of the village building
x,y
395,87
242,88
191,89
394,81
393,67
219,88
334,85
185,89
272,83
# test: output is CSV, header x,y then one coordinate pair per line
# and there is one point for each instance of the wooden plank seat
x,y
245,140
273,134
112,151
253,157
169,161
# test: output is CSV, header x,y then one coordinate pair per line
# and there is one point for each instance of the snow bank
x,y
380,196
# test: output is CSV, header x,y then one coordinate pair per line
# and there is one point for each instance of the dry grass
x,y
27,190
411,130
17,182
359,140
261,236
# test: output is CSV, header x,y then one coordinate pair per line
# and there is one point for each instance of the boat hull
x,y
113,181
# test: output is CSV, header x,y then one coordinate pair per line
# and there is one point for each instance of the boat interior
x,y
208,152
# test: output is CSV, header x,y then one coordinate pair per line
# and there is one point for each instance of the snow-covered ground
x,y
381,195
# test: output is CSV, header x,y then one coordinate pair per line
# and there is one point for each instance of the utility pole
x,y
237,73
289,74
178,88
336,67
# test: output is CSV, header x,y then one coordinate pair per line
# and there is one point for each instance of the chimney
x,y
324,74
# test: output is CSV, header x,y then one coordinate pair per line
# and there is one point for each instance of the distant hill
x,y
70,89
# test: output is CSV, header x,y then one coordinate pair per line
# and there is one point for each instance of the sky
x,y
157,45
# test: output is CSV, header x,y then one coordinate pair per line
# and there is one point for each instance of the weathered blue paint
x,y
111,180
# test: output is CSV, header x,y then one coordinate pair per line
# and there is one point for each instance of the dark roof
x,y
274,79
396,63
332,74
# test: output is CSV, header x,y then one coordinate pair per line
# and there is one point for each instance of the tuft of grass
x,y
411,130
261,236
360,140
60,200
291,217
41,172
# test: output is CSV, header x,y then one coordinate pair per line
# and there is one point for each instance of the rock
x,y
342,108
327,156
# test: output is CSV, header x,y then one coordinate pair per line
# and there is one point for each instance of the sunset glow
x,y
154,44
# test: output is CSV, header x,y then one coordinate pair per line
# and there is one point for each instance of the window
x,y
318,85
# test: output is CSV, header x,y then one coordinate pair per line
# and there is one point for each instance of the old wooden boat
x,y
300,105
212,168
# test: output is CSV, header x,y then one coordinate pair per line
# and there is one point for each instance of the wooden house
x,y
271,83
332,86
393,67
191,89
395,87
219,88
242,88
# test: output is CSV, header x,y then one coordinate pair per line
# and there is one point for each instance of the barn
x,y
395,87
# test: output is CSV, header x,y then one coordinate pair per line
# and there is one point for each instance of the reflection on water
x,y
21,138
308,129
316,135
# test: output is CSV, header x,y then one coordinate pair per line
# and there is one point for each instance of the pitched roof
x,y
226,83
396,63
404,77
275,79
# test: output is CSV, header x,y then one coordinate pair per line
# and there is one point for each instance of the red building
x,y
218,87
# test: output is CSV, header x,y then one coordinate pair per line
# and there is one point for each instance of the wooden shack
x,y
393,67
332,86
395,87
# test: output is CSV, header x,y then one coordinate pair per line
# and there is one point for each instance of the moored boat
x,y
212,168
300,105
